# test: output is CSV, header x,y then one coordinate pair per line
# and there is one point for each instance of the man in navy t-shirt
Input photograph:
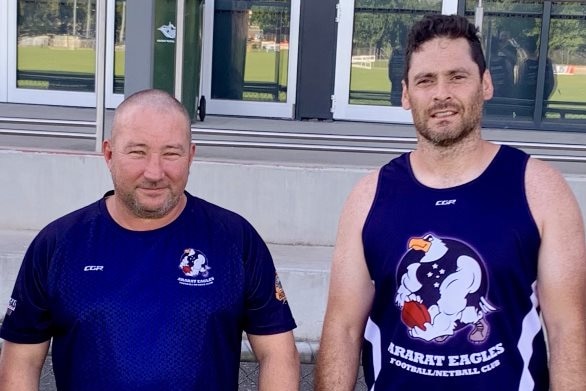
x,y
149,288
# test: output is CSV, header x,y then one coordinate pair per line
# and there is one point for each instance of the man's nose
x,y
153,170
442,91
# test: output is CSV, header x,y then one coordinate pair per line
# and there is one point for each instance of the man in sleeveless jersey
x,y
453,260
149,288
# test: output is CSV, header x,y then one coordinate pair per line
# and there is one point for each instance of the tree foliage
x,y
272,19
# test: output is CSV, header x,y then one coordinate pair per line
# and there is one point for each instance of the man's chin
x,y
150,212
153,208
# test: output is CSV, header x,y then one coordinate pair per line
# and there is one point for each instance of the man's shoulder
x,y
542,177
72,221
67,228
214,213
364,191
546,188
80,214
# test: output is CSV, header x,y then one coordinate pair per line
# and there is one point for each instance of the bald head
x,y
152,100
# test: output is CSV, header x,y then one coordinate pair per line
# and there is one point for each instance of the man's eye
x,y
172,154
136,153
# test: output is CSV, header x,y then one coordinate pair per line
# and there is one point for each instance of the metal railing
x,y
321,142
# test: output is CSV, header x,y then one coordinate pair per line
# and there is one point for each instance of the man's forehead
x,y
441,54
139,119
443,44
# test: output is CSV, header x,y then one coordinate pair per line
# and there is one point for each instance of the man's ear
x,y
487,87
107,152
192,149
405,96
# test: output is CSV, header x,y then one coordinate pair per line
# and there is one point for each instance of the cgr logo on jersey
x,y
195,267
445,202
93,268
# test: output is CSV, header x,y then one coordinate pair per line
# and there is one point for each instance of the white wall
x,y
286,204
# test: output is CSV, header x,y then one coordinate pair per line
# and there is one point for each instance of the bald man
x,y
148,288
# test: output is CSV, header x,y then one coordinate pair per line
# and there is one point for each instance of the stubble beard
x,y
454,134
132,203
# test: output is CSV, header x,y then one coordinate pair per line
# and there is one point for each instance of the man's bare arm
x,y
278,361
350,296
21,365
561,277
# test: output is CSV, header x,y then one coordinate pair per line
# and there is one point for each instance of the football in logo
x,y
414,314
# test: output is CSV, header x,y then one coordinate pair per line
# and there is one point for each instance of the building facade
x,y
298,61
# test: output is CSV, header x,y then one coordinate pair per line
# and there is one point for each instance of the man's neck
x,y
444,167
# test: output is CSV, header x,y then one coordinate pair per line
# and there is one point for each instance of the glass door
x,y
3,50
51,52
250,57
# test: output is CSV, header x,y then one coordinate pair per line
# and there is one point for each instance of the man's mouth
x,y
149,190
443,114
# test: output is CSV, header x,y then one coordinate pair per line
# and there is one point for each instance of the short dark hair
x,y
444,26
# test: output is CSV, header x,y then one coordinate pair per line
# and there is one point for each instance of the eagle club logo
x,y
195,268
443,290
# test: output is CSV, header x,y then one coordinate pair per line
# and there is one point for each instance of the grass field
x,y
65,60
260,67
568,87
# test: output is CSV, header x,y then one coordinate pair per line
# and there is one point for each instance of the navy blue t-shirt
x,y
455,274
152,310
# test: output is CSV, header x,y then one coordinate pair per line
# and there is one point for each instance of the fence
x,y
365,61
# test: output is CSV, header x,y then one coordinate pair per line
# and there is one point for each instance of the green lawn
x,y
32,58
570,88
260,67
375,79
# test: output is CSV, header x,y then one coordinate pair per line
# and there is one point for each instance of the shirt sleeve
x,y
266,308
28,319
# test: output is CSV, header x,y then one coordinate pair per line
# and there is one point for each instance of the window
x,y
51,52
250,57
567,53
536,53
